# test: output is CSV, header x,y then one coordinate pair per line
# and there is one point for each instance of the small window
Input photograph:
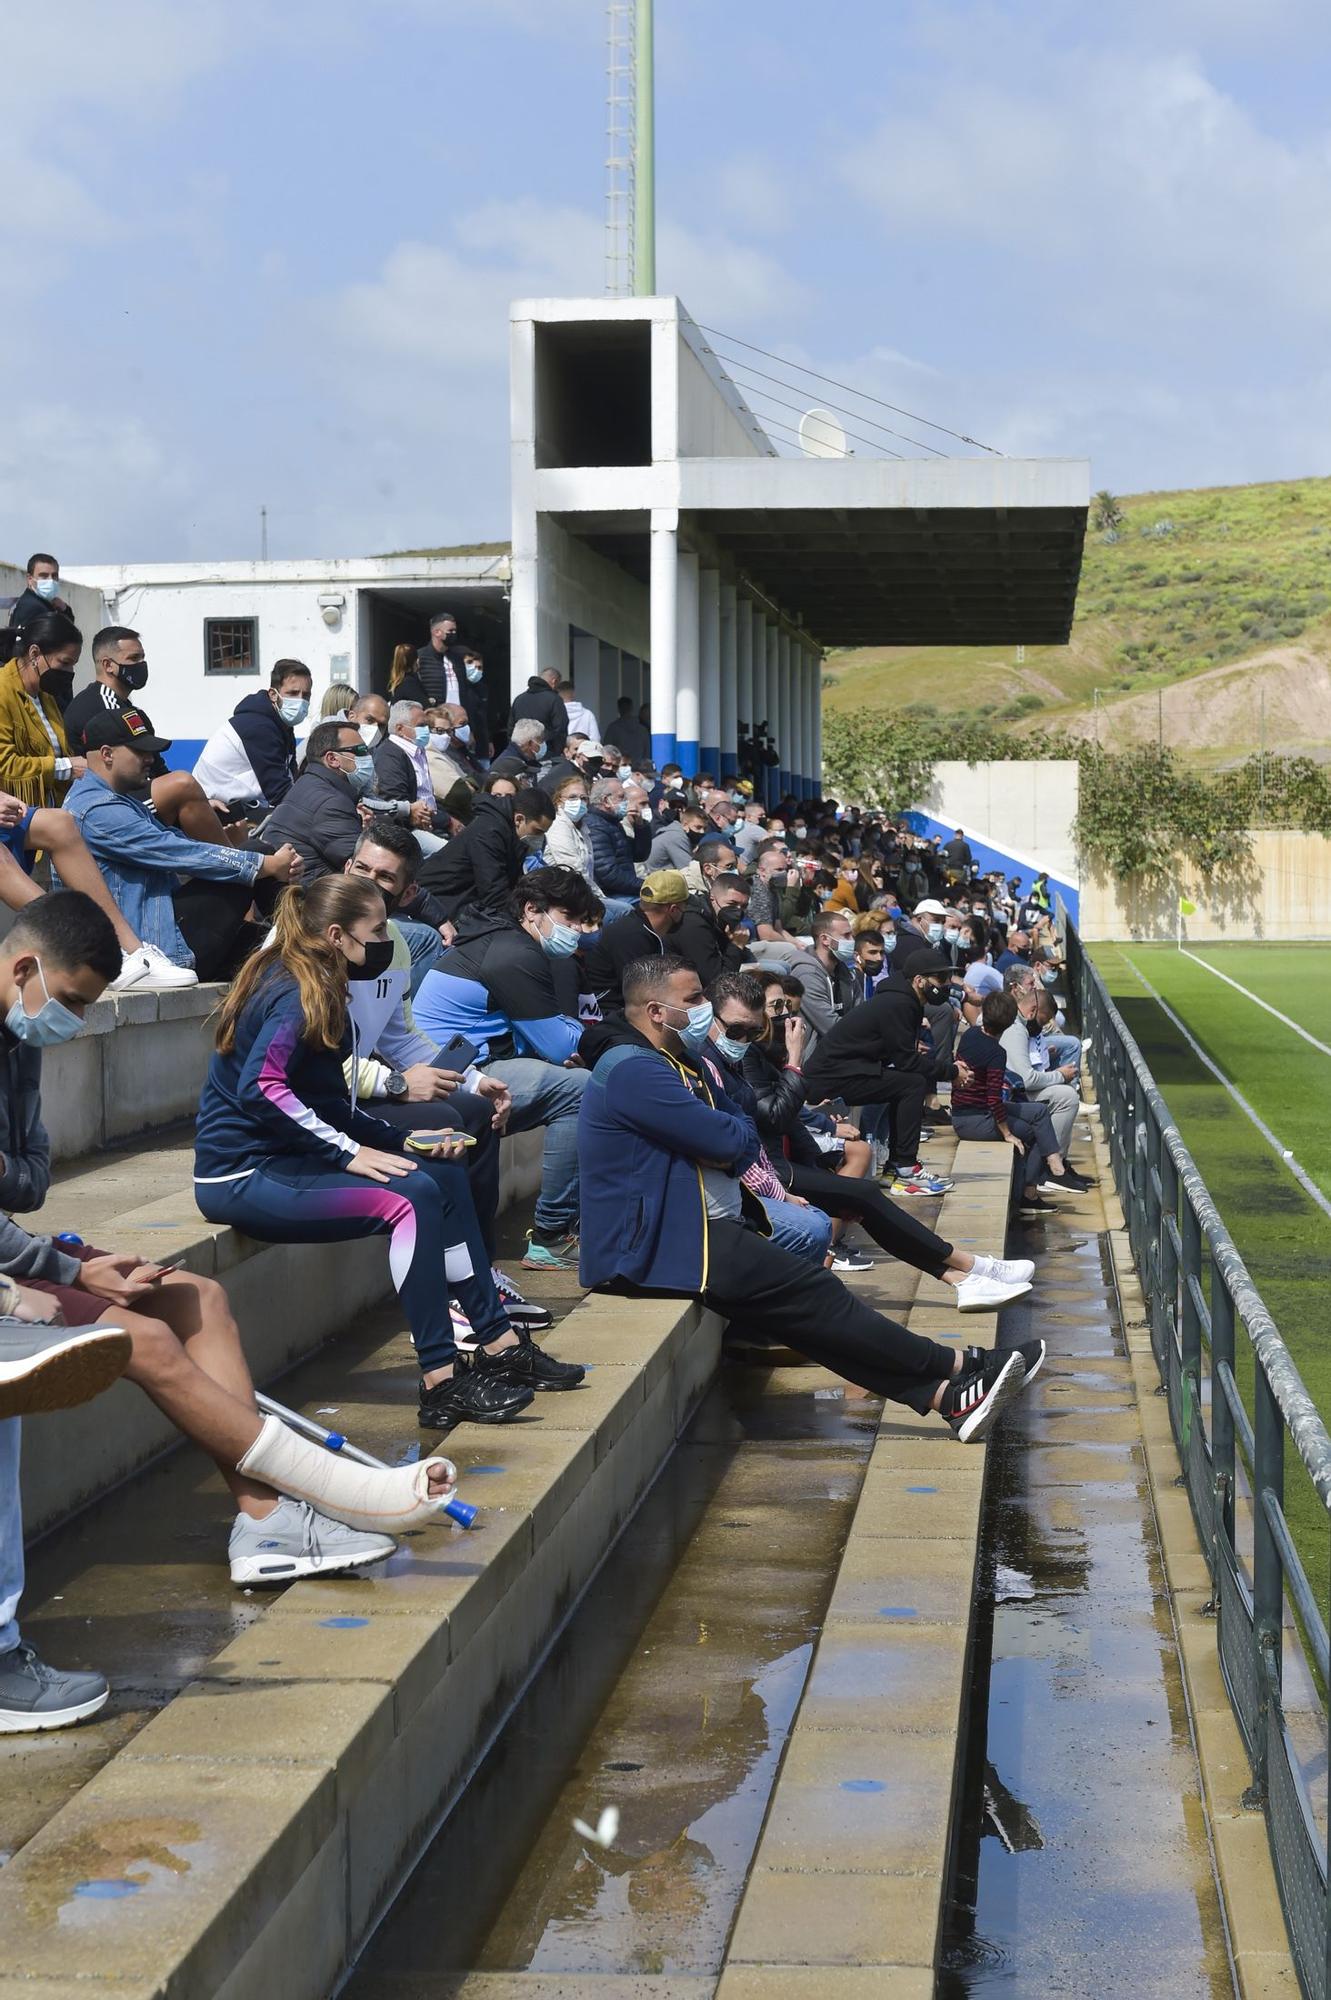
x,y
231,645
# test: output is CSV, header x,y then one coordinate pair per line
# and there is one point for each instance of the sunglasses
x,y
740,1031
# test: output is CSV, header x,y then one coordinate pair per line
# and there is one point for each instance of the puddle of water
x,y
669,1697
1081,1864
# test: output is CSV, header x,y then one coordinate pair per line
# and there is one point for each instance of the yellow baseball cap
x,y
667,885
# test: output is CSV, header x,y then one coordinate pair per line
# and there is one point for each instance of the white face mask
x,y
370,734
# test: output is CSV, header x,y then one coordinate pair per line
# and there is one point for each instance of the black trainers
x,y
974,1399
1032,1354
1068,1182
530,1366
469,1398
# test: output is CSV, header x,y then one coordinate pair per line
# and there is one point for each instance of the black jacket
x,y
878,1034
27,605
627,938
319,817
480,865
395,778
269,743
705,943
540,703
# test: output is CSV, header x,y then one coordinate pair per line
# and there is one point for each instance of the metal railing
x,y
1200,1301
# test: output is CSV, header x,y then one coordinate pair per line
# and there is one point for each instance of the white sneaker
x,y
163,972
1087,1043
295,1541
1004,1270
985,1295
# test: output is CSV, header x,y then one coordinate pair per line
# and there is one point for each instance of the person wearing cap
x,y
873,1055
185,898
648,928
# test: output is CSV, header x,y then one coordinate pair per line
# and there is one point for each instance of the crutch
x,y
457,1510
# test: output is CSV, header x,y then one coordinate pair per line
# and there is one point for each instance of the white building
x,y
660,549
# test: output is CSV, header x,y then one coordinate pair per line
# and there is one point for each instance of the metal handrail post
x,y
1268,1573
1222,1417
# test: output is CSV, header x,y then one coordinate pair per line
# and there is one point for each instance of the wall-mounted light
x,y
332,603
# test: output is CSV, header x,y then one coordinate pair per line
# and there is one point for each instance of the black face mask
x,y
934,994
728,919
378,958
134,675
58,682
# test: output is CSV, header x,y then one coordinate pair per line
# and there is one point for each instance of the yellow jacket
x,y
27,761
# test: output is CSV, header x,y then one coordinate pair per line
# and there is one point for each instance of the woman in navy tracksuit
x,y
283,1154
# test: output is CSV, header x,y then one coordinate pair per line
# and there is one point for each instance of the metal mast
x,y
644,177
621,138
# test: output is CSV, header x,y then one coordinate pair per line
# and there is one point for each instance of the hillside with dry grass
x,y
1203,619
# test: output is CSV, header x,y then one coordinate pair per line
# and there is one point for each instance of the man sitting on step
x,y
664,1211
186,1351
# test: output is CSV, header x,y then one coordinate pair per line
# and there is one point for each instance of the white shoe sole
x,y
14,1722
1031,1373
276,1569
991,1305
63,1375
1007,1386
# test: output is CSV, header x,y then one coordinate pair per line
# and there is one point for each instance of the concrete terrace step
x,y
138,1065
243,1839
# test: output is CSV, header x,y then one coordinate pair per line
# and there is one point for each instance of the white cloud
x,y
1133,176
83,482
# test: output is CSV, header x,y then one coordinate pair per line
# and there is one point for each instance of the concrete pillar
x,y
744,664
776,720
729,712
664,614
686,662
758,657
806,716
709,671
818,719
791,682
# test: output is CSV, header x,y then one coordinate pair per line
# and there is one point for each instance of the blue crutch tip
x,y
459,1511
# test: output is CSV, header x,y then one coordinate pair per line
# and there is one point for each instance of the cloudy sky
x,y
263,254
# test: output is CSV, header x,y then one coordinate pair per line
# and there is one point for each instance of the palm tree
x,y
1106,514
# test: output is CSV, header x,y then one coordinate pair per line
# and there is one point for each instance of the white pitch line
x,y
1282,1153
1207,966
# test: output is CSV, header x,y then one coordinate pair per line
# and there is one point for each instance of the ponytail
x,y
301,947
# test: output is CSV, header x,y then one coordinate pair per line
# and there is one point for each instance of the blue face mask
x,y
889,942
622,809
293,708
462,733
53,1022
45,586
474,673
732,1051
574,809
422,736
561,940
1049,979
934,933
844,947
361,775
624,771
698,1026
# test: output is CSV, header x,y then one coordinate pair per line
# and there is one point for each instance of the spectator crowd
x,y
733,1024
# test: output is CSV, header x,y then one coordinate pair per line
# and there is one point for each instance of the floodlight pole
x,y
644,175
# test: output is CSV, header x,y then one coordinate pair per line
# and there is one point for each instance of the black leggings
x,y
890,1227
767,1292
464,1111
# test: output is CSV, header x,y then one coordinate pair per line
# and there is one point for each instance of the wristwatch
x,y
395,1086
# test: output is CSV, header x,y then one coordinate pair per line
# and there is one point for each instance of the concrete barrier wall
x,y
1282,894
138,1065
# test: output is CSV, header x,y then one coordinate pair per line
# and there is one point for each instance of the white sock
x,y
383,1500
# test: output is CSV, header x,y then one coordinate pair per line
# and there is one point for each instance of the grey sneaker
x,y
35,1696
295,1541
54,1367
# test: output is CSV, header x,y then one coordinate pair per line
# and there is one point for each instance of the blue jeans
x,y
616,906
805,1232
1062,1049
546,1094
425,945
11,1535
